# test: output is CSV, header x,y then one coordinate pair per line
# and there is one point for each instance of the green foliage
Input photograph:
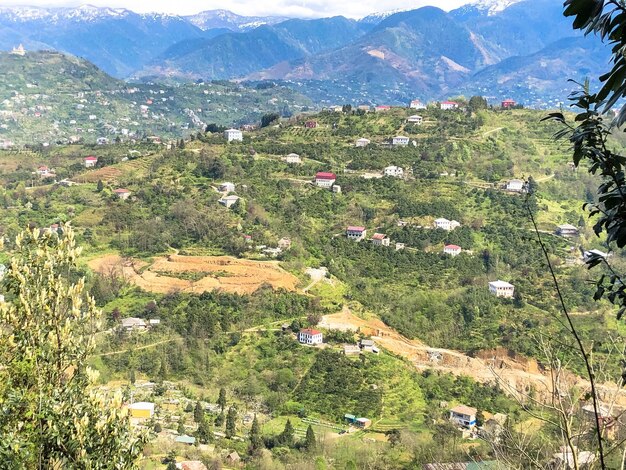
x,y
287,437
231,422
52,417
336,385
309,440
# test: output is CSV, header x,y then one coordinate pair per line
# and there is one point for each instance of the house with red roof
x,y
90,161
452,250
325,179
122,193
447,105
310,336
382,108
310,124
508,103
380,239
356,233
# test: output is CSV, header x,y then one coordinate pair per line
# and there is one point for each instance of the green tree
x,y
100,186
286,438
219,420
204,433
198,413
256,442
269,118
231,424
309,439
477,102
157,428
52,415
131,376
181,427
221,399
171,466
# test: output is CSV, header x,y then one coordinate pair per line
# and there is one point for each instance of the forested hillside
x,y
232,283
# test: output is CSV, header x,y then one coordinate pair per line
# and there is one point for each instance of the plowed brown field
x,y
222,272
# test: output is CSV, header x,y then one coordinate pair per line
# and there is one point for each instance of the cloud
x,y
290,8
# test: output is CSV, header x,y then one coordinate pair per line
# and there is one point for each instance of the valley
x,y
210,259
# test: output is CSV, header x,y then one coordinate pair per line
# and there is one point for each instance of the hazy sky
x,y
297,8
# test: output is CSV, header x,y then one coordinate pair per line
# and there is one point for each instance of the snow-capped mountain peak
x,y
493,6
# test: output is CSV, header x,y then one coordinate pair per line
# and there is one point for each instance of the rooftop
x,y
353,228
310,331
464,410
500,284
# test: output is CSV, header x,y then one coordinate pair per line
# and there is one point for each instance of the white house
x,y
415,119
228,201
132,323
463,416
356,233
447,105
227,187
515,186
400,140
362,142
502,289
395,171
90,161
325,179
233,134
380,239
122,193
452,250
292,158
417,104
567,230
310,336
446,224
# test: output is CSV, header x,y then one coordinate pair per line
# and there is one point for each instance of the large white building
x,y
452,250
325,179
463,416
502,289
446,224
417,104
415,119
447,105
395,171
380,239
310,336
356,233
400,140
515,185
293,158
233,134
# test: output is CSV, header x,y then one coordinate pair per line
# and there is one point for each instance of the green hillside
x,y
456,166
49,98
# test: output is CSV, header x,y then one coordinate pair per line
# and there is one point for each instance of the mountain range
x,y
522,48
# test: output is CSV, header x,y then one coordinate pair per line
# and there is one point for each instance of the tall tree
x,y
286,438
221,399
255,435
52,416
309,440
231,422
198,413
204,433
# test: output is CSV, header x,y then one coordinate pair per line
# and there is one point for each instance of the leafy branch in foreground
x,y
51,414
